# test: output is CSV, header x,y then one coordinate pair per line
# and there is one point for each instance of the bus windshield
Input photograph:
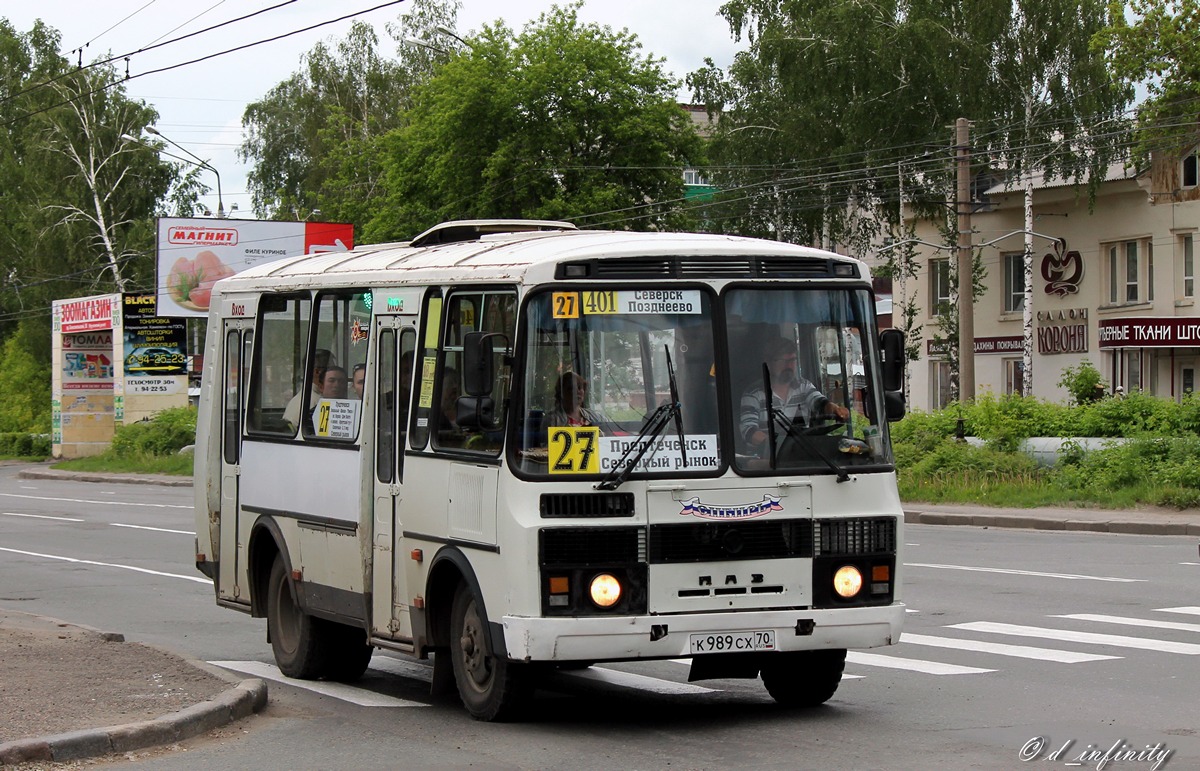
x,y
810,349
599,366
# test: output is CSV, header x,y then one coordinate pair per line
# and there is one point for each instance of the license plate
x,y
733,642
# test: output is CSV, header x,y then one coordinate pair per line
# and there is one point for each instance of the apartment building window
x,y
1191,170
1133,371
1014,282
939,286
1149,271
939,378
1124,273
694,177
1189,266
1014,376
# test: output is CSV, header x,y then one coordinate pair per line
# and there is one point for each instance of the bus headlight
x,y
605,590
847,581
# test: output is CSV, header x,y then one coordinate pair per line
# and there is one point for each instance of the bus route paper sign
x,y
195,253
336,418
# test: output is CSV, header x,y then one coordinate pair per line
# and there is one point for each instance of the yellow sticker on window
x,y
574,449
428,365
565,305
600,303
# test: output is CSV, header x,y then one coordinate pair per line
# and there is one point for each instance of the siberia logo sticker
x,y
693,507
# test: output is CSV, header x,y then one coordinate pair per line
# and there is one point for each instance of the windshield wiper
x,y
654,426
678,405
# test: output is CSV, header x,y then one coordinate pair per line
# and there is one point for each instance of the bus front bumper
x,y
617,638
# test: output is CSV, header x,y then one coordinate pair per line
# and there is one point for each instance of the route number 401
x,y
574,450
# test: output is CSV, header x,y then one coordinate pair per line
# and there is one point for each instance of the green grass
x,y
176,464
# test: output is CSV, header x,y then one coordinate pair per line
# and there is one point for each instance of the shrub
x,y
1083,383
166,433
23,445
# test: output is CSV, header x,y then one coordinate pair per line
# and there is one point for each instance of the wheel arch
x,y
448,569
266,543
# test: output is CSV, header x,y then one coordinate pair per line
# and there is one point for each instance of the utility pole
x,y
966,285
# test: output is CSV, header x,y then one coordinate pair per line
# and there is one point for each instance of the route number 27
x,y
574,450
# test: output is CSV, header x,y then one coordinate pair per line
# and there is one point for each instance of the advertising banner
x,y
193,254
87,361
155,348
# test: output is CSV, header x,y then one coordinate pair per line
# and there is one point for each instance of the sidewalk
x,y
72,692
58,677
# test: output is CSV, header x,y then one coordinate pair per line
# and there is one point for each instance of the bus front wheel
x,y
491,687
803,678
297,639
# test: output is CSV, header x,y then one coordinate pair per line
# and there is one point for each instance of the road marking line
x,y
102,503
1191,610
197,579
912,665
688,663
402,668
1002,649
156,529
1119,641
360,696
1189,563
40,516
1068,576
1182,627
630,680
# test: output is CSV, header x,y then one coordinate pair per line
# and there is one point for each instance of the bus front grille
x,y
724,541
577,546
852,537
586,505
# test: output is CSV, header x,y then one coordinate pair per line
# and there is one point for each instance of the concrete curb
x,y
245,698
84,476
1047,523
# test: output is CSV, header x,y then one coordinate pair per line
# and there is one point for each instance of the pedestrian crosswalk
x,y
969,648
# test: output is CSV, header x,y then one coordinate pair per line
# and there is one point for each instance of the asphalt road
x,y
1088,641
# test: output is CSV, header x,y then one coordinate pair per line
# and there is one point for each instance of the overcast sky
x,y
201,104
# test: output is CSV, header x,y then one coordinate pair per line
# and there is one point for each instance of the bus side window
x,y
385,414
484,311
278,369
233,398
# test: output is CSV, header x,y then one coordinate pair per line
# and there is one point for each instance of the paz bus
x,y
556,450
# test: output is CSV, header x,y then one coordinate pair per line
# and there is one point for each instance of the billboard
x,y
193,254
155,348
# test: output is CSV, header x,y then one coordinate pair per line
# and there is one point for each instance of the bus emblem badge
x,y
693,507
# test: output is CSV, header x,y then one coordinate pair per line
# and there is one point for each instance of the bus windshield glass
x,y
810,348
604,367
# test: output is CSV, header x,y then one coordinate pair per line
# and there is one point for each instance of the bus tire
x,y
299,641
803,678
349,653
491,687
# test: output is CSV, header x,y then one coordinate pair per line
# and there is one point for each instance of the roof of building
x,y
1016,183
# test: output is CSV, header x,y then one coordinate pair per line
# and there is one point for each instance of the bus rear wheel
x,y
299,641
491,687
803,678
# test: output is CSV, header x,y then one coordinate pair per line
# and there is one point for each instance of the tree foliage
x,y
564,120
76,203
1153,43
314,139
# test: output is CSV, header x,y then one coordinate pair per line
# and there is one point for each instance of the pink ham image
x,y
190,282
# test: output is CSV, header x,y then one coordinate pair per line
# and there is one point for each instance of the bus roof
x,y
531,254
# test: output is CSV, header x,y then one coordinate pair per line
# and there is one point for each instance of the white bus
x,y
562,454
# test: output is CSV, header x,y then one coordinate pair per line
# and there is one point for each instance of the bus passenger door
x,y
390,394
236,357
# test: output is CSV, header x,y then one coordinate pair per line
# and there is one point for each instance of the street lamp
x,y
198,162
451,33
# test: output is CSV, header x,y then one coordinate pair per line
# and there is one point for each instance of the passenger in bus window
x,y
793,396
570,393
358,379
333,384
291,413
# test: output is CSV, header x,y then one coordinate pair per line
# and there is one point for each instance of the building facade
x,y
1114,284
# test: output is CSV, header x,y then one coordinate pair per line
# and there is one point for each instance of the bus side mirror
x,y
479,351
891,343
